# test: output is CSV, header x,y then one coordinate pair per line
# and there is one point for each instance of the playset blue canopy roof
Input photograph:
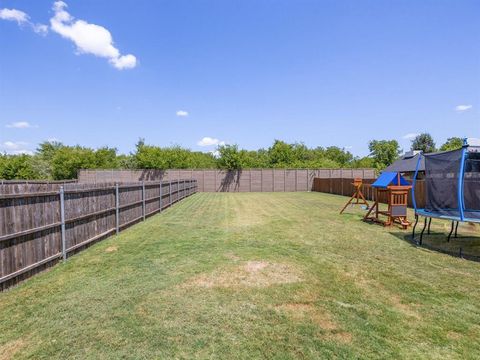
x,y
388,178
452,184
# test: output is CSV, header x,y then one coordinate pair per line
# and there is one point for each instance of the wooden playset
x,y
395,188
357,197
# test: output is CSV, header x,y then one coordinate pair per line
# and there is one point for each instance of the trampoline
x,y
452,187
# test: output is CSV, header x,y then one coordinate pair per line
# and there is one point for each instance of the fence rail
x,y
251,180
346,188
37,228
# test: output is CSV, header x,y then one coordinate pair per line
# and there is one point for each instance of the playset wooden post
x,y
357,195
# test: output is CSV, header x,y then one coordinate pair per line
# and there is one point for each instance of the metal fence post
x,y
117,209
143,200
161,197
62,220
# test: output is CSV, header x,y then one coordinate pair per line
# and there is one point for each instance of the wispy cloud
x,y
182,113
21,125
89,38
462,108
209,141
15,147
22,19
410,136
14,15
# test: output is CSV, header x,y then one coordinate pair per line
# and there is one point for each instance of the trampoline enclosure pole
x,y
460,183
415,182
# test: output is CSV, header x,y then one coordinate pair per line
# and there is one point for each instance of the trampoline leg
x,y
423,230
451,231
456,229
429,223
414,226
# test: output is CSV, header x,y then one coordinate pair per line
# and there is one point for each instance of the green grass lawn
x,y
258,275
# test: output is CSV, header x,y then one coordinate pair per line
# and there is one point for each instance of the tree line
x,y
56,161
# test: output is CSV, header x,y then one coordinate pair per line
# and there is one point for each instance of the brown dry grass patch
x,y
9,350
301,312
453,335
111,249
249,274
406,309
375,289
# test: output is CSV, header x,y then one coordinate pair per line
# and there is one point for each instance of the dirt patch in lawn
x,y
453,335
9,350
111,249
299,312
406,309
249,274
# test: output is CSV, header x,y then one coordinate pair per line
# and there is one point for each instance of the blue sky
x,y
247,72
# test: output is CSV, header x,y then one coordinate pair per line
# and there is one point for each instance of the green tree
x,y
174,157
452,143
363,162
423,142
384,152
340,156
47,149
126,161
281,154
254,159
106,158
42,160
17,167
229,157
69,159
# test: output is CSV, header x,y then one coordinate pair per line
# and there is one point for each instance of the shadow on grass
x,y
465,247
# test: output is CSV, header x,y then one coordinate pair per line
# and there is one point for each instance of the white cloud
x,y
21,125
14,15
22,18
410,136
89,38
40,28
462,108
15,148
208,141
182,113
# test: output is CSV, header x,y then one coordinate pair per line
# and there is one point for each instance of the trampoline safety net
x,y
442,176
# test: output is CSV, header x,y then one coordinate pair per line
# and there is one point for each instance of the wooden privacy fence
x,y
39,227
252,180
346,188
36,182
